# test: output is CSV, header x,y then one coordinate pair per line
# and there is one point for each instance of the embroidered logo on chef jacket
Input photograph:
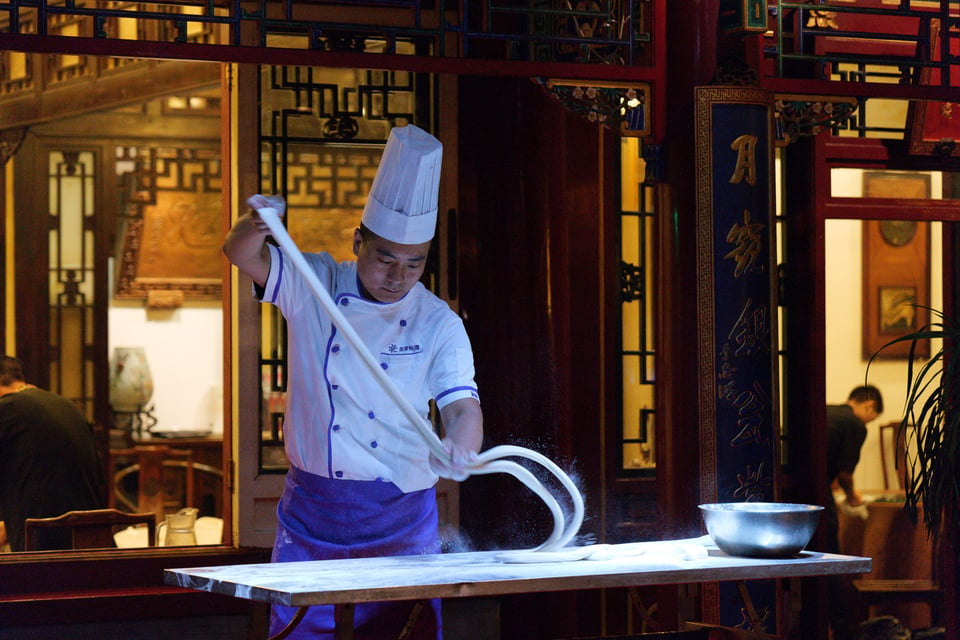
x,y
400,350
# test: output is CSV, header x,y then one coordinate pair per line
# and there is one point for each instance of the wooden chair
x,y
893,460
166,479
148,462
91,529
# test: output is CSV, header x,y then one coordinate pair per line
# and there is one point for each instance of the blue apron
x,y
323,519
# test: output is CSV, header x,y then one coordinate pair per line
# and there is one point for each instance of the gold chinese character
x,y
746,237
746,148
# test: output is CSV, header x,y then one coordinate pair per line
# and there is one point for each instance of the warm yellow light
x,y
127,28
16,65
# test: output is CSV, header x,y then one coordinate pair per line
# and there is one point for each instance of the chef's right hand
x,y
259,201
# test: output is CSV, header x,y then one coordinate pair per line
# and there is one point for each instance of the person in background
x,y
48,458
361,480
846,431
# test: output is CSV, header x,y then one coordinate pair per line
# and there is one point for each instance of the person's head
x,y
11,371
866,402
387,270
400,215
11,375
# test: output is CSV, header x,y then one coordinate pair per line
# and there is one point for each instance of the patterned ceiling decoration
x,y
622,107
798,115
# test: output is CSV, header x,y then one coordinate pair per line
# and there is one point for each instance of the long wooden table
x,y
482,573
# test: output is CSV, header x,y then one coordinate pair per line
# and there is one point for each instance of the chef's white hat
x,y
402,205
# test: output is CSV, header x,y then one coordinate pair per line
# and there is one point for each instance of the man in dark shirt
x,y
846,431
48,458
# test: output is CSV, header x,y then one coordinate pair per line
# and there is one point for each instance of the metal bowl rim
x,y
768,507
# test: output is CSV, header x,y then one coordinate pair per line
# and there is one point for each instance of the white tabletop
x,y
483,573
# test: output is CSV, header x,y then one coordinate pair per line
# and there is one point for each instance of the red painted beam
x,y
312,57
891,209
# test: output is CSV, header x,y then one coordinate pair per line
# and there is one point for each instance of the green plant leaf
x,y
930,426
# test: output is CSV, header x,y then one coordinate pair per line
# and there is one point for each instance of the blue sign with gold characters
x,y
736,305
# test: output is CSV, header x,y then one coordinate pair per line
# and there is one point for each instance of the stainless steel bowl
x,y
761,529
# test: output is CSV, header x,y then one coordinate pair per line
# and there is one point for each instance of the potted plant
x,y
930,428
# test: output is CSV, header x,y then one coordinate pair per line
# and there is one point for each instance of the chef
x,y
362,479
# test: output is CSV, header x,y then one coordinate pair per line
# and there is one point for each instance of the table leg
x,y
411,620
689,598
294,621
645,614
756,624
343,621
795,607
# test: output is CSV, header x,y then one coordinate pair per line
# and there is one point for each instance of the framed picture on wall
x,y
172,246
896,268
170,231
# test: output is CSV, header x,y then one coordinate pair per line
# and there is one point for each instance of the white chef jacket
x,y
338,421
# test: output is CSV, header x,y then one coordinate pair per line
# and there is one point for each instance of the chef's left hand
x,y
460,459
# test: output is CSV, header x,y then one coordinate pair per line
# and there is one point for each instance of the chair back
x,y
92,529
154,493
893,460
